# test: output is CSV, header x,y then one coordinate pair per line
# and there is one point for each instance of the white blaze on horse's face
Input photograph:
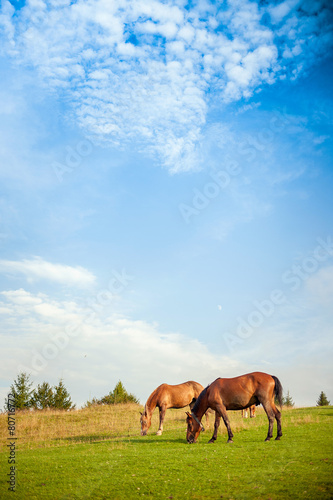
x,y
193,429
145,422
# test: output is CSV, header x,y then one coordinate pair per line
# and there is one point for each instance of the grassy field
x,y
99,453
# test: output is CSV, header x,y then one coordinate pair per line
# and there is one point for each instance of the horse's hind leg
x,y
270,415
277,414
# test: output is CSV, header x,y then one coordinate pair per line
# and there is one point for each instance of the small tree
x,y
322,400
61,398
21,390
288,400
118,395
42,397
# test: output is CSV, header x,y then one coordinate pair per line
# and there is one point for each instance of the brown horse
x,y
169,396
252,412
236,394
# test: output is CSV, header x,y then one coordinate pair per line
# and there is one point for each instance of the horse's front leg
x,y
162,415
216,427
223,412
207,419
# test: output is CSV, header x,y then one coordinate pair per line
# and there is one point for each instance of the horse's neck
x,y
202,408
151,403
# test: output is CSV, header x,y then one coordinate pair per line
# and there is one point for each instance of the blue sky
x,y
166,193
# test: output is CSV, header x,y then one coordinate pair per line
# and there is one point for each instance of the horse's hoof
x,y
211,441
230,441
159,433
277,438
267,439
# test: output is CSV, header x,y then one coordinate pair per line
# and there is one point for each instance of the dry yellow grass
x,y
57,428
54,427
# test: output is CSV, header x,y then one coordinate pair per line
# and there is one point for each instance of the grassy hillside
x,y
99,453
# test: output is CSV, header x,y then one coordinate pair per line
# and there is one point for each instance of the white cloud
x,y
22,297
138,71
280,11
57,337
51,338
39,269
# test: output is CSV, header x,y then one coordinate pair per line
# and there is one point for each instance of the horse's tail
x,y
278,391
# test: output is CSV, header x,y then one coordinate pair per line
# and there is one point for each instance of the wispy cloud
x,y
146,72
54,333
38,269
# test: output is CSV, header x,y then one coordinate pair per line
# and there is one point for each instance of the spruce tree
x,y
21,390
61,398
322,400
288,400
120,395
43,397
117,396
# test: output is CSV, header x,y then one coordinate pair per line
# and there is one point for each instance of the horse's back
x,y
179,395
242,391
255,378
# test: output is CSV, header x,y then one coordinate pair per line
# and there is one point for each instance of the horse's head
x,y
194,427
145,422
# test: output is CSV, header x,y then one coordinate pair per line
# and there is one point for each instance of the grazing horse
x,y
169,396
236,394
252,412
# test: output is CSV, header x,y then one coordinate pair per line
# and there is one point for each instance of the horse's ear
x,y
188,414
140,412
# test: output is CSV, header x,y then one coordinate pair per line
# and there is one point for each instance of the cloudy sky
x,y
166,193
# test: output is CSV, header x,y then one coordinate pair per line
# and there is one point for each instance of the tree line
x,y
321,401
45,396
57,397
42,397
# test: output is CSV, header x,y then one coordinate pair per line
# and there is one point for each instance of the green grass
x,y
121,464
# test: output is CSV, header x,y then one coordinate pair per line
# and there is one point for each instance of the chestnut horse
x,y
169,396
252,412
236,394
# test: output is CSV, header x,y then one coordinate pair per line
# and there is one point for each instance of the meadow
x,y
99,453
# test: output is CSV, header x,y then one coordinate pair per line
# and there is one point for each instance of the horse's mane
x,y
200,398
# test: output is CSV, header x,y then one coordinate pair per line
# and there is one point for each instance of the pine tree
x,y
61,398
43,397
118,395
21,390
288,400
322,400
